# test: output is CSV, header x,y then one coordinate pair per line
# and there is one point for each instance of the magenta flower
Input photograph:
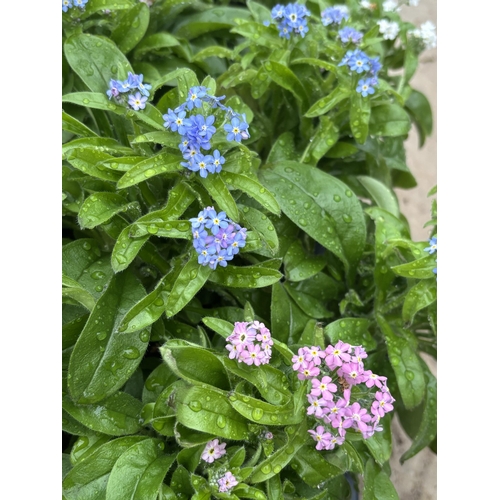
x,y
325,388
315,355
359,355
334,410
373,379
308,372
227,482
359,416
316,407
243,342
213,450
383,404
337,355
299,360
321,437
352,373
335,441
252,355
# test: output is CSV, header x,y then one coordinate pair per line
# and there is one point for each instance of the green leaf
x,y
213,415
406,364
99,5
87,480
322,206
332,68
126,249
161,163
153,42
86,160
71,124
360,117
139,472
256,221
420,268
286,78
213,51
312,468
421,113
380,193
258,33
253,188
117,415
79,295
300,266
325,104
86,445
218,190
283,149
427,430
256,276
96,60
309,303
389,120
131,28
380,444
220,326
103,357
195,365
187,284
100,207
422,295
354,331
100,143
297,436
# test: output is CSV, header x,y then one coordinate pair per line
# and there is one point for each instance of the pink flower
x,y
337,355
383,403
253,355
299,360
359,416
315,355
334,410
308,372
352,373
213,450
373,379
324,388
316,407
227,482
321,437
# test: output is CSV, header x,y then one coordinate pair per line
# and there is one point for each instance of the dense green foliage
x,y
146,377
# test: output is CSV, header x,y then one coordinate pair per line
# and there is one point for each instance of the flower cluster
x,y
433,245
334,15
196,131
121,89
68,4
222,244
357,61
341,366
213,450
390,6
388,29
291,19
227,482
250,343
349,34
426,34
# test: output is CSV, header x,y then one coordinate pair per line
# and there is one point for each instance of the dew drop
x,y
87,246
409,375
195,405
131,353
337,198
152,229
265,469
221,421
257,413
144,336
101,335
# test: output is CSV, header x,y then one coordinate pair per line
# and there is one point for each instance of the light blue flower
x,y
80,3
433,246
236,129
365,87
66,4
334,15
349,34
137,101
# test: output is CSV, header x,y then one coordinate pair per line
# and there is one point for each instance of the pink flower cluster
x,y
250,343
213,450
341,366
227,482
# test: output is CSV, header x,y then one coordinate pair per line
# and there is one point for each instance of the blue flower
x,y
114,88
203,164
80,3
216,221
178,123
334,15
375,66
278,12
284,30
359,62
136,83
196,222
221,259
218,161
236,129
432,246
137,101
302,28
349,34
66,4
195,95
365,87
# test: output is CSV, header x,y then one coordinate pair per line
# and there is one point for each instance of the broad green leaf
x,y
213,51
406,364
369,475
218,190
380,444
220,326
96,60
70,333
87,480
104,144
322,140
359,117
71,124
332,68
131,28
269,381
213,19
94,6
256,276
73,426
381,194
422,295
139,472
427,430
264,413
283,149
325,104
309,304
286,78
256,221
354,331
321,205
212,414
420,268
79,295
258,33
100,207
153,42
103,357
389,120
165,138
161,163
117,415
274,488
421,113
253,188
259,12
297,436
384,489
195,365
126,249
86,445
86,160
158,380
300,266
312,468
187,284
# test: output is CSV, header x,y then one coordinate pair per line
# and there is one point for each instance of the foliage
x,y
147,381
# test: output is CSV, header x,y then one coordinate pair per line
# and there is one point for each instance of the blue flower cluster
x,y
349,34
433,246
359,62
334,15
224,241
68,4
196,131
291,19
136,100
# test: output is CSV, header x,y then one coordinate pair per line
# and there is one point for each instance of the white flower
x,y
427,33
366,4
390,6
413,3
389,29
